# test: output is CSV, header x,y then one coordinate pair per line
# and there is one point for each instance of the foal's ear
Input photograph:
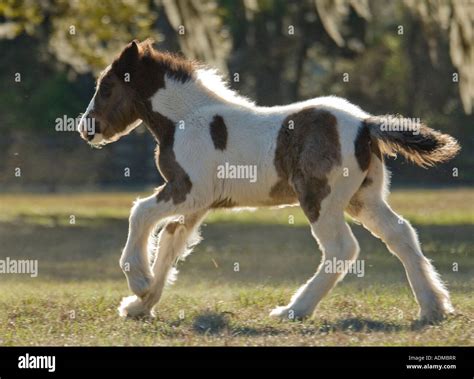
x,y
128,59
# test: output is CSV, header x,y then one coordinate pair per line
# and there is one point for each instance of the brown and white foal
x,y
324,154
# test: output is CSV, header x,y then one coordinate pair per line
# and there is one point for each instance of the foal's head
x,y
113,111
124,88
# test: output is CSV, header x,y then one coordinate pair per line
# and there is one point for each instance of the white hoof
x,y
287,313
133,306
282,313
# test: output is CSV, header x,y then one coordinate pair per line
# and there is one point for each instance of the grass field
x,y
73,300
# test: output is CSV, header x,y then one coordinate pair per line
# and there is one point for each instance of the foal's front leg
x,y
175,240
145,215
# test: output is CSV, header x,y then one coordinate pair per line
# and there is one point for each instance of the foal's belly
x,y
257,194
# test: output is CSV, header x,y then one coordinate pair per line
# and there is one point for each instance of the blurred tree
x,y
20,16
271,40
83,34
282,51
334,13
456,19
199,30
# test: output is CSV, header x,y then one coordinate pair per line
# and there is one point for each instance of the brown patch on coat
x,y
223,203
218,130
308,148
172,226
188,222
147,73
367,182
311,192
375,148
178,182
283,193
362,147
355,205
365,145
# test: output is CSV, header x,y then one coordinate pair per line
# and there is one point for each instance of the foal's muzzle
x,y
88,128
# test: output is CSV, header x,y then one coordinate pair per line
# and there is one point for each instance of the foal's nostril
x,y
89,127
94,128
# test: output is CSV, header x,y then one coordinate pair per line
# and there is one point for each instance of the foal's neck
x,y
180,99
177,100
171,105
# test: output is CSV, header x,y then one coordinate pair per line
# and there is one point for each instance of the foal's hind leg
x,y
336,241
369,207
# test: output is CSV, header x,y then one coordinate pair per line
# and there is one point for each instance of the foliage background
x,y
401,57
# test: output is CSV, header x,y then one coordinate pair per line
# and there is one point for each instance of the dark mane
x,y
174,65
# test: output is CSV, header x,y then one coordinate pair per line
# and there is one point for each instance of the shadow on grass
x,y
211,322
355,324
216,323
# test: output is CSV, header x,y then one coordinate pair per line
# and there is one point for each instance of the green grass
x,y
73,300
428,207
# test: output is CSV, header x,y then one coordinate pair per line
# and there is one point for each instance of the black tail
x,y
415,141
